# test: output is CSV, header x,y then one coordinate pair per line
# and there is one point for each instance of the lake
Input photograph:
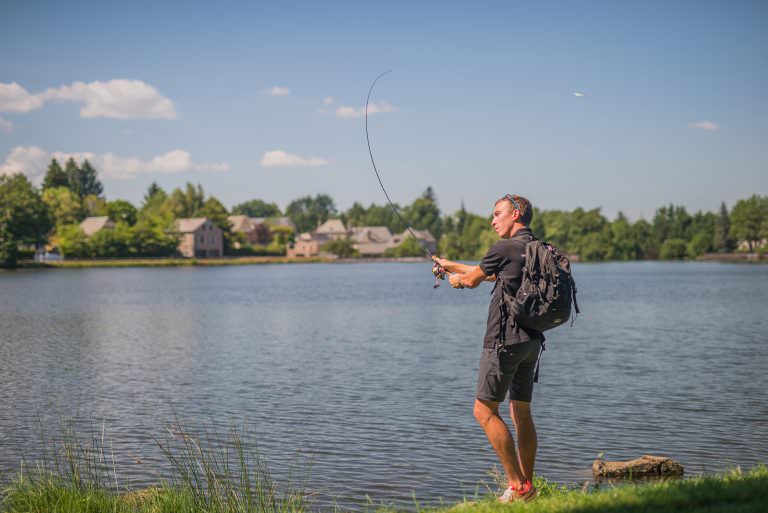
x,y
371,372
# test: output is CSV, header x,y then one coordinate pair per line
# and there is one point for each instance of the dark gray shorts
x,y
510,370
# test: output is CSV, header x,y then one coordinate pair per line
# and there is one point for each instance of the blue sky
x,y
480,101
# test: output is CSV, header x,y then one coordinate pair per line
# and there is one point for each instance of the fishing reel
x,y
439,273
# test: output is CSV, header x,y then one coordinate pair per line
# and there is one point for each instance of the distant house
x,y
371,241
283,221
254,228
423,236
744,245
332,229
310,244
200,238
257,230
91,225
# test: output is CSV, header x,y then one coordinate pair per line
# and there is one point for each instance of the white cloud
x,y
30,160
14,98
5,125
120,99
279,158
704,125
33,162
373,108
278,91
328,100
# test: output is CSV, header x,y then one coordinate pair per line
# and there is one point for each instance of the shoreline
x,y
262,260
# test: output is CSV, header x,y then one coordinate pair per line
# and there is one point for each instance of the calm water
x,y
369,369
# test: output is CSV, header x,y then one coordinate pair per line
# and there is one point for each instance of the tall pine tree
x,y
83,180
55,176
722,240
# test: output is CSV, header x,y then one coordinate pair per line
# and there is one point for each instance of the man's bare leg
x,y
526,436
487,415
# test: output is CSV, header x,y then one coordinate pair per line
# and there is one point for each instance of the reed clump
x,y
209,473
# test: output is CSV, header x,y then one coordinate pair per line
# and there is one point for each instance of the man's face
x,y
504,217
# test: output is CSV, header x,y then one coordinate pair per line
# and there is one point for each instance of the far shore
x,y
258,260
181,262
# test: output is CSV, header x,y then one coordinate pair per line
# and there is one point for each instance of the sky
x,y
264,100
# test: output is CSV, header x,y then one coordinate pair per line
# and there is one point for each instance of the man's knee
x,y
485,411
521,411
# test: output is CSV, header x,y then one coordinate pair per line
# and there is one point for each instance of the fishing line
x,y
368,139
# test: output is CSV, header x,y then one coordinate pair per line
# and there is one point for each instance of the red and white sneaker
x,y
526,493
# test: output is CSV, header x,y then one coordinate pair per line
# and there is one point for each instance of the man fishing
x,y
509,360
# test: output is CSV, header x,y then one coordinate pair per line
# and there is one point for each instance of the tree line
x,y
52,213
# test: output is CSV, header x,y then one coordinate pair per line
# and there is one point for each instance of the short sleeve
x,y
491,262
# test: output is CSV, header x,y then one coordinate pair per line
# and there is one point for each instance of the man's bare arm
x,y
470,279
459,268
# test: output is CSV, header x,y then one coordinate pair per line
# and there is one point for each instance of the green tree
x,y
214,210
747,219
71,241
112,243
24,217
408,248
342,248
641,234
157,210
64,205
424,214
307,213
83,179
94,206
257,208
673,249
152,240
55,176
281,236
152,190
624,246
722,239
700,243
374,215
121,211
187,203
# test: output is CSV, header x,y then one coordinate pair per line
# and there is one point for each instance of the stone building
x,y
200,238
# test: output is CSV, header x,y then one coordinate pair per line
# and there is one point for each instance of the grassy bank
x,y
173,262
732,492
223,473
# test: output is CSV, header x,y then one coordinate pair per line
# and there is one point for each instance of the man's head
x,y
511,213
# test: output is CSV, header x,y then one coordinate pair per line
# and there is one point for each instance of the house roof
x,y
190,224
274,221
241,223
281,221
91,225
331,227
371,234
422,235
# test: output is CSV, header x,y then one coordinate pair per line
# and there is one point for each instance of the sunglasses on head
x,y
514,203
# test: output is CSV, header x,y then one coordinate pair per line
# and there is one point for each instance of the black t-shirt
x,y
505,259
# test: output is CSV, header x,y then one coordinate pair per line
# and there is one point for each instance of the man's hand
x,y
442,262
455,281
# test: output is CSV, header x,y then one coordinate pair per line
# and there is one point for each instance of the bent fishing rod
x,y
437,270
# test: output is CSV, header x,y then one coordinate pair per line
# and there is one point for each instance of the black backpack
x,y
547,290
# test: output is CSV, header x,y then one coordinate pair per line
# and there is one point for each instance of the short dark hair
x,y
522,205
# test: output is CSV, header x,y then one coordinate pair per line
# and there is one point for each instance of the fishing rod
x,y
437,269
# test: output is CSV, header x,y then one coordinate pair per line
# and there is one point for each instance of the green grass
x,y
223,473
211,472
174,262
